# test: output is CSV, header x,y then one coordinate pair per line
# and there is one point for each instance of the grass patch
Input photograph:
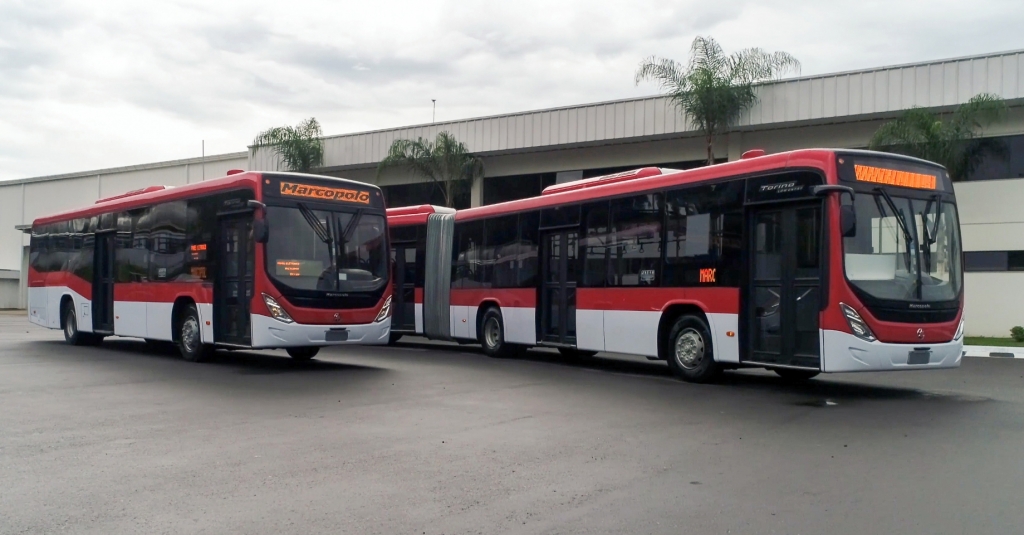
x,y
991,341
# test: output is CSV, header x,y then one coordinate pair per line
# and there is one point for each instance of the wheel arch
x,y
181,304
66,301
670,314
482,309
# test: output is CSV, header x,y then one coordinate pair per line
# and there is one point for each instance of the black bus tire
x,y
393,338
190,337
492,335
690,352
303,353
70,327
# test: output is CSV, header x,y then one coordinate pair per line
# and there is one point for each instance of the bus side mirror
x,y
260,230
847,221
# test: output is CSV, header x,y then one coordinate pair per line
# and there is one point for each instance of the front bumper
x,y
268,333
844,352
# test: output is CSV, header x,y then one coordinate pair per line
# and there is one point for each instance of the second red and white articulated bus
x,y
251,260
802,262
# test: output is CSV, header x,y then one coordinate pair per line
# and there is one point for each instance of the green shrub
x,y
1017,333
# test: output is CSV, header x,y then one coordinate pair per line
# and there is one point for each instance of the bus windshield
x,y
904,249
328,251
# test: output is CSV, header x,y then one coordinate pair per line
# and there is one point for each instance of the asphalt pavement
x,y
429,439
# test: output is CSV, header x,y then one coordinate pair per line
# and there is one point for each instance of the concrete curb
x,y
994,351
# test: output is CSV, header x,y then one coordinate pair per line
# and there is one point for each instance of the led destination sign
x,y
893,177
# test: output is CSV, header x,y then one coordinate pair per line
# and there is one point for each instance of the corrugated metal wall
x,y
818,98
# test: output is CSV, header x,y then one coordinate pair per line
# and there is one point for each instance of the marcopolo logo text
x,y
324,193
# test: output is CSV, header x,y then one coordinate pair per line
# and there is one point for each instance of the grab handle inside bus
x,y
847,214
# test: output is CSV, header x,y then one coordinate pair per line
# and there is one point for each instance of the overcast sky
x,y
89,85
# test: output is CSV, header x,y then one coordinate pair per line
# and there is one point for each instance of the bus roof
x,y
154,194
649,180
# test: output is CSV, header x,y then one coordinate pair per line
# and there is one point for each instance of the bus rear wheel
x,y
71,333
190,342
689,350
302,353
492,335
795,375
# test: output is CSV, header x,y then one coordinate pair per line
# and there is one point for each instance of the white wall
x,y
21,201
993,303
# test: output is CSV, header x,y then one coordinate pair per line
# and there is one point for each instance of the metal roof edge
x,y
127,168
648,97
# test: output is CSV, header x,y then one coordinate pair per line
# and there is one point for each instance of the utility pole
x,y
433,113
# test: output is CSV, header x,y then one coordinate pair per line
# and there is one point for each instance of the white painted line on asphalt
x,y
994,351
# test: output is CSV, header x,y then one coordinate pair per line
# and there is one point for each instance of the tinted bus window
x,y
704,230
502,250
529,240
596,244
636,240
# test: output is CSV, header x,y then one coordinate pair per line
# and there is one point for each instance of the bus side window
x,y
529,239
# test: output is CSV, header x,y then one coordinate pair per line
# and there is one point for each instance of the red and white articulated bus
x,y
802,262
251,260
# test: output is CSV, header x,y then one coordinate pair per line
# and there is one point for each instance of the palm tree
x,y
714,88
951,141
445,162
300,147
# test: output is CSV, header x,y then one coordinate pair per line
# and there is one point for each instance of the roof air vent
x,y
752,153
235,171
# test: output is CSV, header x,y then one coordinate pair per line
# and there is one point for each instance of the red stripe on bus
x,y
163,292
711,300
506,297
60,278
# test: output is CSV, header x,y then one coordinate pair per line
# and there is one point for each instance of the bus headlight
x,y
276,311
857,325
385,311
959,331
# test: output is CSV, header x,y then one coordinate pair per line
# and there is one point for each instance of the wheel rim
x,y
70,326
492,333
190,334
689,349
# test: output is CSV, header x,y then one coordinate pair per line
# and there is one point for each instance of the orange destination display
x,y
324,193
892,177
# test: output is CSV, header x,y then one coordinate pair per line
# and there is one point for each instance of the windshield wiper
x,y
899,221
326,235
930,236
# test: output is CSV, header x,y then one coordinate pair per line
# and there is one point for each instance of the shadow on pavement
x,y
822,391
244,362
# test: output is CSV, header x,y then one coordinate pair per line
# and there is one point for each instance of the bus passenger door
x,y
103,284
404,297
560,251
783,304
232,289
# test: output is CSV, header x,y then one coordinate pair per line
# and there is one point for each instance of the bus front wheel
x,y
190,342
302,353
689,350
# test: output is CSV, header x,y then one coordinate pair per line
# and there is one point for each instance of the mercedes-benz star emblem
x,y
920,334
337,318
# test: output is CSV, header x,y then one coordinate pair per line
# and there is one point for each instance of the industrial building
x,y
525,152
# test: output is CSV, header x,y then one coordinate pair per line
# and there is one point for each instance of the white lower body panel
x,y
268,333
844,352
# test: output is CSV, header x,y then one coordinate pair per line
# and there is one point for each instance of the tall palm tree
x,y
300,147
713,88
445,162
951,140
